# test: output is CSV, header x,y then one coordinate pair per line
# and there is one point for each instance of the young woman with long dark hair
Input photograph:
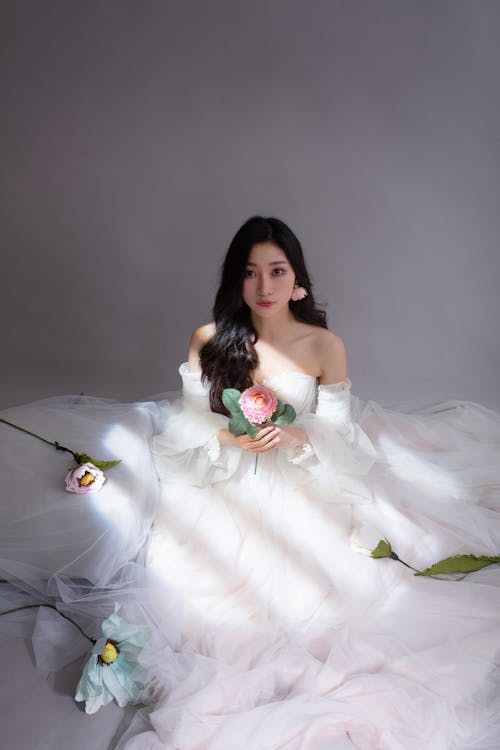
x,y
260,330
260,624
290,639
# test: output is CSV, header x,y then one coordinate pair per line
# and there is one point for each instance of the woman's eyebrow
x,y
272,263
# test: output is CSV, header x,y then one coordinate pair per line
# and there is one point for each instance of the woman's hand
x,y
292,437
266,439
269,437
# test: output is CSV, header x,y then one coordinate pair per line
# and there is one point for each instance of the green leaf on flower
x,y
287,416
84,458
231,400
105,465
238,424
383,549
459,564
252,430
278,411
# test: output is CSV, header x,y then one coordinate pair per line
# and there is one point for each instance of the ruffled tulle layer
x,y
292,639
268,630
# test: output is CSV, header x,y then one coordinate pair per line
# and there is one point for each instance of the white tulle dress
x,y
290,639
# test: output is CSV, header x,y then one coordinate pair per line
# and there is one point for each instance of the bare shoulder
x,y
202,335
332,357
198,340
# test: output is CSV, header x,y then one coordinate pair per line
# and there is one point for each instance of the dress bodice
x,y
299,389
295,388
322,412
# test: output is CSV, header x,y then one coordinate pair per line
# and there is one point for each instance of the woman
x,y
266,323
290,639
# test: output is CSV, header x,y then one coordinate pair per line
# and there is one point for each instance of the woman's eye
x,y
278,271
249,273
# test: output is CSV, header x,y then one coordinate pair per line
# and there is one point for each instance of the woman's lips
x,y
265,303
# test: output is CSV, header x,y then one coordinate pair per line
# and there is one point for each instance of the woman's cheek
x,y
245,290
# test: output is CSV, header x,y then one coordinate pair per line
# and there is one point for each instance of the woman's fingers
x,y
269,445
265,439
265,431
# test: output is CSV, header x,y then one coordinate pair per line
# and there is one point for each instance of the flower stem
x,y
50,606
255,465
33,434
393,556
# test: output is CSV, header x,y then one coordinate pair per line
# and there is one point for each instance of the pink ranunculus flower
x,y
258,403
84,478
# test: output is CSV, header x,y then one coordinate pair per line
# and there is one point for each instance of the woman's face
x,y
269,280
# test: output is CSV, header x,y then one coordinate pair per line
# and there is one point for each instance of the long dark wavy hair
x,y
229,357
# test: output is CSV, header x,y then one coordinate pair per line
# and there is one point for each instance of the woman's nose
x,y
264,285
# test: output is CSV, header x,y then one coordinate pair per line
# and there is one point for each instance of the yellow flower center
x,y
260,401
87,479
110,654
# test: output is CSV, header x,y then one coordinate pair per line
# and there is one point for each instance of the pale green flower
x,y
108,674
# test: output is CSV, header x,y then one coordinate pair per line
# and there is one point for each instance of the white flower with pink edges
x,y
84,478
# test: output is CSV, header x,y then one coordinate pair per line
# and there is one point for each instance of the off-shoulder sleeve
x,y
188,447
337,451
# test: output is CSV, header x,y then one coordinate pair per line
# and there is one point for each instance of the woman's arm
x,y
196,344
335,445
331,352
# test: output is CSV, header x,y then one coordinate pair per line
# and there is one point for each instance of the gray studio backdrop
x,y
136,136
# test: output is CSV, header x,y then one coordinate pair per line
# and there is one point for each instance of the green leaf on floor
x,y
459,564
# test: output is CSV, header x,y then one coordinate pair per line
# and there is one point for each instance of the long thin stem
x,y
393,556
50,606
33,434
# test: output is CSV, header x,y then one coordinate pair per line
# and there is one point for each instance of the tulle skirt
x,y
269,629
291,639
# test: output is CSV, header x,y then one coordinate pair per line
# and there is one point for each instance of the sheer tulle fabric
x,y
81,552
289,639
267,630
